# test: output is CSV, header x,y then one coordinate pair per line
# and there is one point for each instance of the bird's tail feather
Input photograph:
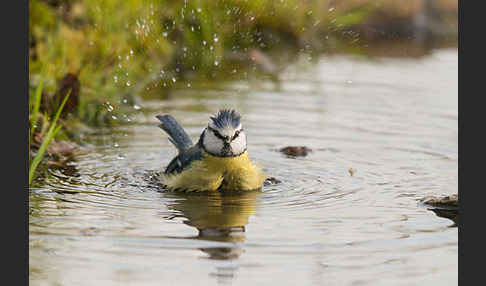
x,y
177,135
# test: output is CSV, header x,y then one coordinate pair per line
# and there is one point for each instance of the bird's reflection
x,y
217,217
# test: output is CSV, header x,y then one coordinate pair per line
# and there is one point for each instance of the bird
x,y
219,161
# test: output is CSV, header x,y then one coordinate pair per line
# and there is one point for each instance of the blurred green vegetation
x,y
119,50
111,44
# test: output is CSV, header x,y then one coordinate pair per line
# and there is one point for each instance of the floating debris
x,y
351,171
271,181
295,151
90,231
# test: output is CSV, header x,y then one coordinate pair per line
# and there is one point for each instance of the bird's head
x,y
224,136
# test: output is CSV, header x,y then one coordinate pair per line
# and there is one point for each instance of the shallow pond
x,y
393,121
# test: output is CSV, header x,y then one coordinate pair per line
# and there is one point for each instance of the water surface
x,y
393,121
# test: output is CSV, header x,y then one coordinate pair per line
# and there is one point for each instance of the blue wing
x,y
188,152
184,159
177,135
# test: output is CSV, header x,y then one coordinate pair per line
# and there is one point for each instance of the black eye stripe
x,y
237,133
216,133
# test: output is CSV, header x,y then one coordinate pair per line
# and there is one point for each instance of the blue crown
x,y
226,117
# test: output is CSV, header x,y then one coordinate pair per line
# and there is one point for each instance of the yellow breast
x,y
212,173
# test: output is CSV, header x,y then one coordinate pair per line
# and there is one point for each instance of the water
x,y
393,121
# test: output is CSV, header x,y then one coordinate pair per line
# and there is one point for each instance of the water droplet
x,y
137,107
164,34
216,63
115,78
233,71
174,79
131,52
199,10
125,100
128,83
114,117
116,145
109,107
252,18
189,84
204,42
215,38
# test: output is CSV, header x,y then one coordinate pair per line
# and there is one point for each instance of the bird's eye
x,y
237,133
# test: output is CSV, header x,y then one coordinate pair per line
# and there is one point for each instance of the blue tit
x,y
219,161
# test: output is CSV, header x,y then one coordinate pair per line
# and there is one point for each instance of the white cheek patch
x,y
238,145
212,144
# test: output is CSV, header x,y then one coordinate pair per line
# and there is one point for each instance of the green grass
x,y
51,133
35,110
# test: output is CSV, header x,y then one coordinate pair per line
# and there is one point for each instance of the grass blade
x,y
53,129
35,110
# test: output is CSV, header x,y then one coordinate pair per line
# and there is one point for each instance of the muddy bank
x,y
444,206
